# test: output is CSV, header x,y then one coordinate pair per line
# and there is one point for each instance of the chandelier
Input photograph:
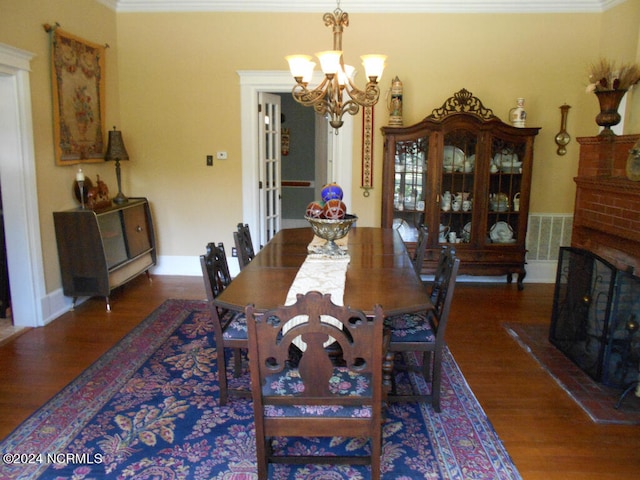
x,y
337,94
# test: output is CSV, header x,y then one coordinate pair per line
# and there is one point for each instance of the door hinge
x,y
259,108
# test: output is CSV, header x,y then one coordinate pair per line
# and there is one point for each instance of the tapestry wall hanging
x,y
78,77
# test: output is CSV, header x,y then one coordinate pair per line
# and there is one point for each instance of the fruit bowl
x,y
331,230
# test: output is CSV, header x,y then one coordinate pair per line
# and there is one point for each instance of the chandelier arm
x,y
367,98
307,97
350,107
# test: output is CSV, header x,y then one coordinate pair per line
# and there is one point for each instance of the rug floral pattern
x,y
148,409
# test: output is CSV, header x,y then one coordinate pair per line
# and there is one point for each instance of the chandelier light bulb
x,y
345,74
374,65
299,65
329,61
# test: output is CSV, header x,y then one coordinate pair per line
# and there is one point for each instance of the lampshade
x,y
374,65
115,147
329,61
299,65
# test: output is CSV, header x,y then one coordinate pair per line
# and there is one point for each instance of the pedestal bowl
x,y
331,230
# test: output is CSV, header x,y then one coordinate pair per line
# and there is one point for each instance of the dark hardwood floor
x,y
546,433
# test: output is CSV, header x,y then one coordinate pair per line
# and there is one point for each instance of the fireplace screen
x,y
595,319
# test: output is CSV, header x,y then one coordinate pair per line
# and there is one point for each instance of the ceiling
x,y
366,6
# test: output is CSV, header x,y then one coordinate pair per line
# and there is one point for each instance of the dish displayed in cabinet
x,y
466,233
453,159
501,232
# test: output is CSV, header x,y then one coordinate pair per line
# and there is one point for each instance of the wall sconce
x,y
563,138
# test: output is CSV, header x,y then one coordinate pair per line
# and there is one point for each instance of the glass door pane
x,y
410,176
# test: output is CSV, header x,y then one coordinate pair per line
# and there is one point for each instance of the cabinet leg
x,y
521,280
149,276
73,304
108,304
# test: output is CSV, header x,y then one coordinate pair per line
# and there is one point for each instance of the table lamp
x,y
116,151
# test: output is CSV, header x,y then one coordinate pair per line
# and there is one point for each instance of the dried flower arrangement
x,y
606,75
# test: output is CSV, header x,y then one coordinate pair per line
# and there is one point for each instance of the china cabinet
x,y
466,176
100,250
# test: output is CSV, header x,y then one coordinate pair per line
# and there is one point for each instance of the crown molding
x,y
365,6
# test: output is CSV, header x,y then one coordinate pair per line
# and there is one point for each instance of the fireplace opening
x,y
596,317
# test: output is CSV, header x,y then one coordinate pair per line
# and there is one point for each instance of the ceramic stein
x,y
466,205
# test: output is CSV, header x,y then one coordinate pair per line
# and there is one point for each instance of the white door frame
x,y
19,189
251,83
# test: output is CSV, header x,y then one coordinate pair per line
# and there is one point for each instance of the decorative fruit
x,y
315,210
335,209
331,191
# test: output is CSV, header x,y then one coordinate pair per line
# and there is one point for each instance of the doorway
x,y
19,198
339,151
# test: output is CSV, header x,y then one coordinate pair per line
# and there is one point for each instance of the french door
x,y
269,172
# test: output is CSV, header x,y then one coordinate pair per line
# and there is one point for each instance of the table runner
x,y
323,274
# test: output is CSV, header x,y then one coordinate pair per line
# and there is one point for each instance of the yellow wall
x,y
173,90
21,26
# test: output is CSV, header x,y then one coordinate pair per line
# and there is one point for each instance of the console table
x,y
100,250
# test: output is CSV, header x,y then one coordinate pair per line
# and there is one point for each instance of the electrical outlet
x,y
209,160
234,252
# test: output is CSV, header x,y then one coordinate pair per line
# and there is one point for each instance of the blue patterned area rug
x,y
148,409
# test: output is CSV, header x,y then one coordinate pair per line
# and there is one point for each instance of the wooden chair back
x,y
215,270
310,380
421,247
441,274
244,245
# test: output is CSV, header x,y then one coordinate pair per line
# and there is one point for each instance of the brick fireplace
x,y
607,210
596,311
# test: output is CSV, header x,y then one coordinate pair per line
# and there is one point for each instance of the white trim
x,y
365,6
19,188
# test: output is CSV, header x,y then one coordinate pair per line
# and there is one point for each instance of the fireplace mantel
x,y
607,209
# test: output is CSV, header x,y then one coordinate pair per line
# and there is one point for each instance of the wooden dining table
x,y
380,271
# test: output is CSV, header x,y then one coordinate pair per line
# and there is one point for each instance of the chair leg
x,y
262,453
427,360
222,375
237,362
436,380
376,455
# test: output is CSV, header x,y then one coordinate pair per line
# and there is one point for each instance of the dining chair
x,y
314,396
244,245
424,332
229,326
421,246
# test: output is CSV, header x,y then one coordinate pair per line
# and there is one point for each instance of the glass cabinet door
x,y
410,177
458,187
505,185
